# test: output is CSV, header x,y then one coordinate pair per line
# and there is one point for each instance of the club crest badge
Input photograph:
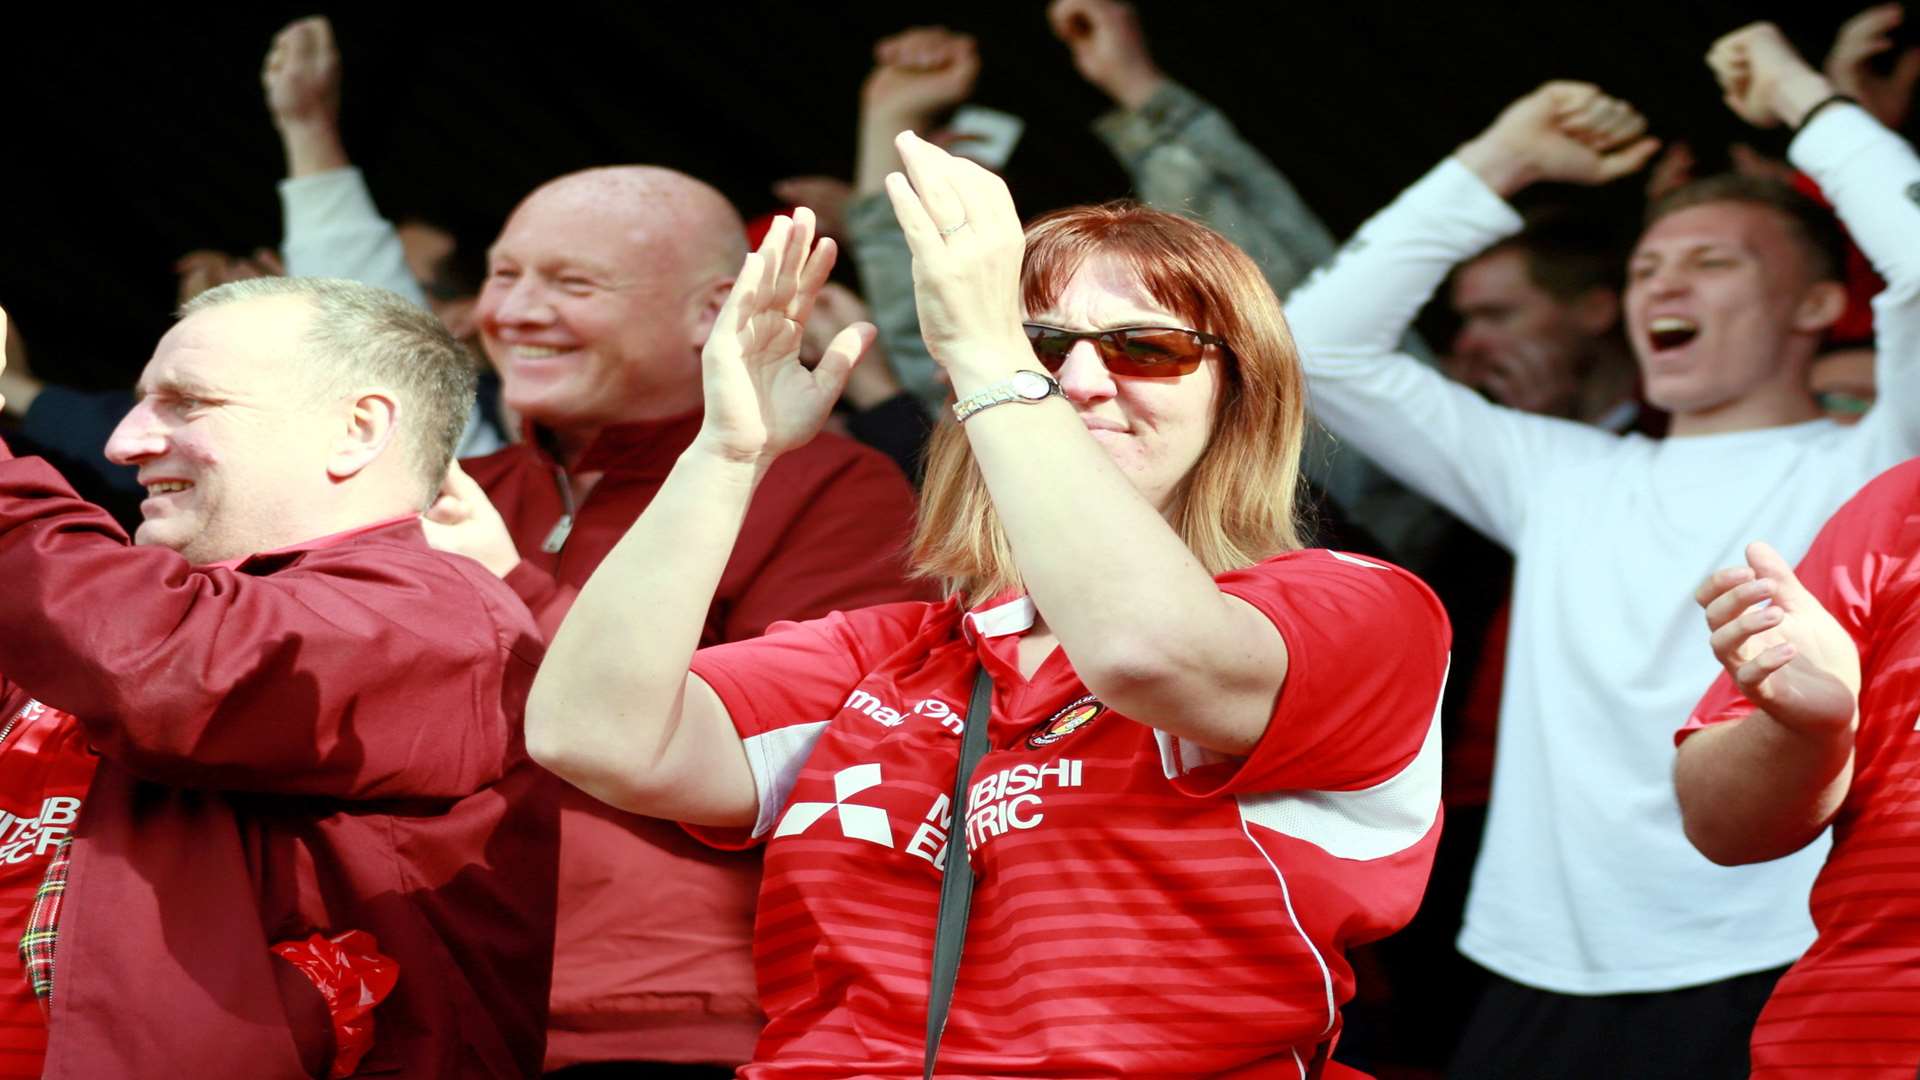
x,y
1065,722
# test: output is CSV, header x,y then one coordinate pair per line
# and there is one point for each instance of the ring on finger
x,y
944,233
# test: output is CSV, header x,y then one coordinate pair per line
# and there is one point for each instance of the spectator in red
x,y
1812,725
310,764
602,287
1211,760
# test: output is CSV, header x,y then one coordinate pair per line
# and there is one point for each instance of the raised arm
x,y
1183,154
1438,437
917,75
1869,174
1764,785
1144,623
332,226
614,709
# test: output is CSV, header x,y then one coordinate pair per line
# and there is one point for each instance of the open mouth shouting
x,y
1671,332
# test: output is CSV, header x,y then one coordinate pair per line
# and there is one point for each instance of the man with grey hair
x,y
304,829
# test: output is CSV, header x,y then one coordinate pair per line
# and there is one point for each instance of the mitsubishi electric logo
x,y
867,823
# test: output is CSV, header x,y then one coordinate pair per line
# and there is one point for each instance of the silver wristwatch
x,y
1025,386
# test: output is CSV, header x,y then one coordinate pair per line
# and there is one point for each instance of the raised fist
x,y
1756,67
1108,48
917,74
302,74
1568,132
1849,65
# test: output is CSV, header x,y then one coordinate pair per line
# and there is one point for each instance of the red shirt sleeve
x,y
1366,662
374,668
783,687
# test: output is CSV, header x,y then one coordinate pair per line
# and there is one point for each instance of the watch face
x,y
1031,385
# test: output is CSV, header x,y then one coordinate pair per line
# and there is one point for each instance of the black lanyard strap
x,y
956,887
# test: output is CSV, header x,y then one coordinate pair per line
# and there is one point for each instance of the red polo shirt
x,y
653,958
1851,1006
1143,906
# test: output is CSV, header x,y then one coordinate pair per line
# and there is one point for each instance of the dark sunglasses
x,y
1152,351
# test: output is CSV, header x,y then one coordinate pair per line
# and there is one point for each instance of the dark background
x,y
134,136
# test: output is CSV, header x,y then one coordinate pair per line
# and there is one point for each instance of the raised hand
x,y
836,308
1791,658
966,239
1569,132
464,521
1108,48
917,74
1849,64
761,400
1762,79
301,76
826,196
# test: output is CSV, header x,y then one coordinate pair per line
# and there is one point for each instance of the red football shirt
x,y
1143,906
1849,1006
46,767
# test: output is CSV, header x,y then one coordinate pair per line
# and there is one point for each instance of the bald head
x,y
601,290
651,205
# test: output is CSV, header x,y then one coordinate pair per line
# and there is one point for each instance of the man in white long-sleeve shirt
x,y
1588,903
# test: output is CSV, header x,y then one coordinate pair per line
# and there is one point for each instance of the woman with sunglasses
x,y
1210,760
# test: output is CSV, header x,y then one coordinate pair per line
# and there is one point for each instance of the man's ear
x,y
371,422
1820,307
1596,311
707,310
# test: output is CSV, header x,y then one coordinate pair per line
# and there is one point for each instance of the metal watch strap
x,y
1002,392
956,887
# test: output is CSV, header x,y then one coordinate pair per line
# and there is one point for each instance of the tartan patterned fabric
x,y
43,925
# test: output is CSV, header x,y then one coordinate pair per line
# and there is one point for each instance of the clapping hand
x,y
760,399
967,243
1790,656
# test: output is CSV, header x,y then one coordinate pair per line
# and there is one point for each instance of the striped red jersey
x,y
1143,906
1850,1006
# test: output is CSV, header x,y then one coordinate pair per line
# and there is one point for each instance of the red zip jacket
x,y
323,738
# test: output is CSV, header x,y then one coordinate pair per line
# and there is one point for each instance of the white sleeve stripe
x,y
1370,823
1355,560
775,758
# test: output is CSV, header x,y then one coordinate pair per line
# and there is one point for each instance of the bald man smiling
x,y
601,290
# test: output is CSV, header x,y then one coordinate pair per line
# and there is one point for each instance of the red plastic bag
x,y
352,975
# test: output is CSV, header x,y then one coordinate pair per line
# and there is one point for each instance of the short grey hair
x,y
363,334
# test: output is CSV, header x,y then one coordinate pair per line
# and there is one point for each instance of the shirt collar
x,y
315,544
644,446
1008,613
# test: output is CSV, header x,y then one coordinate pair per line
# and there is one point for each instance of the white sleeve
x,y
334,230
1873,180
1477,459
